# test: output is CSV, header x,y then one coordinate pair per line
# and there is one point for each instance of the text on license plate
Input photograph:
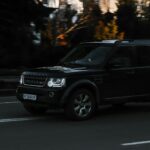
x,y
30,97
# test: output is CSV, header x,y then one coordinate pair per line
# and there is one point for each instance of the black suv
x,y
92,74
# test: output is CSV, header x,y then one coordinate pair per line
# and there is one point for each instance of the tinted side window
x,y
122,57
143,55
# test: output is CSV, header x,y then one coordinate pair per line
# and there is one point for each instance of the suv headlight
x,y
21,79
56,82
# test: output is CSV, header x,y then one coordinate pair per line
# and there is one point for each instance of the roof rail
x,y
110,41
127,41
137,41
142,41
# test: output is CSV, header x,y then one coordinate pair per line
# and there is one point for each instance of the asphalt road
x,y
112,128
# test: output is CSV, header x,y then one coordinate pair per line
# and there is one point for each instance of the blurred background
x,y
37,33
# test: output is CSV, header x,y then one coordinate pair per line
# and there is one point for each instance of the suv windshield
x,y
87,54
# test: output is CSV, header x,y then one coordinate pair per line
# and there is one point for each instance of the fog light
x,y
51,94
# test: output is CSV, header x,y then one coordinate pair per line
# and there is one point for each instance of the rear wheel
x,y
81,105
35,110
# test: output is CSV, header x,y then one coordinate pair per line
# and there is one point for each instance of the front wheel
x,y
81,105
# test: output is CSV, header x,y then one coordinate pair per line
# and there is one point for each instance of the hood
x,y
59,71
62,69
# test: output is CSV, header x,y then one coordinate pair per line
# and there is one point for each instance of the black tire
x,y
34,109
81,105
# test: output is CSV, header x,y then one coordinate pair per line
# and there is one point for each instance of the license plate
x,y
29,97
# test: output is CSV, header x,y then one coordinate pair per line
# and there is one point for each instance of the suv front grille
x,y
34,79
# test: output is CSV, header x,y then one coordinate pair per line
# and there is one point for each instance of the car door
x,y
142,71
118,81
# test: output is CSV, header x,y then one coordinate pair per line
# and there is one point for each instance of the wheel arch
x,y
86,84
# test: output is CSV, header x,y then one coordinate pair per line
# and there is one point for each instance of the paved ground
x,y
111,129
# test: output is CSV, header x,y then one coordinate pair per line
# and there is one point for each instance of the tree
x,y
147,11
108,30
144,20
15,30
84,29
127,17
89,4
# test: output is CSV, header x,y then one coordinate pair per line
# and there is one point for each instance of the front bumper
x,y
45,96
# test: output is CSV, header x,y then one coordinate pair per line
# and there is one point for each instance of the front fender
x,y
79,84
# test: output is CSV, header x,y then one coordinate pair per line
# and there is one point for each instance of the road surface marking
x,y
14,102
136,143
20,119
